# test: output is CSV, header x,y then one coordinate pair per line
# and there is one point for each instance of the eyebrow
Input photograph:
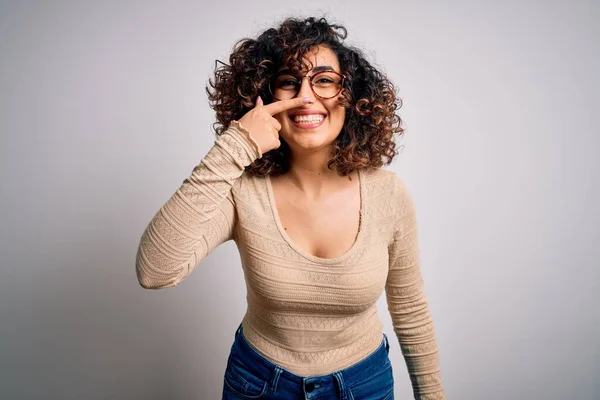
x,y
315,69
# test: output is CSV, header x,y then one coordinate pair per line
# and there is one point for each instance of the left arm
x,y
408,305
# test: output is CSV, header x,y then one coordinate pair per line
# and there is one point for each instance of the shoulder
x,y
388,195
399,192
378,178
388,181
249,186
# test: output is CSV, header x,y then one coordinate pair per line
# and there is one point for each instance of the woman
x,y
294,179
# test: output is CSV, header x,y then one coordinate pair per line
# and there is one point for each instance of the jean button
x,y
310,386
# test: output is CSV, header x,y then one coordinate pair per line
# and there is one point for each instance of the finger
x,y
276,125
275,137
259,101
282,105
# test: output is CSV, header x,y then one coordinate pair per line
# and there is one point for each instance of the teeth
x,y
309,118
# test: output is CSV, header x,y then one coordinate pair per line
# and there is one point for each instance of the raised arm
x,y
408,306
199,216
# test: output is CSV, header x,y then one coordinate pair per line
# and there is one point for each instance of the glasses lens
x,y
325,84
285,87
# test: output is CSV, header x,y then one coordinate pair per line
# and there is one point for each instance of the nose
x,y
305,89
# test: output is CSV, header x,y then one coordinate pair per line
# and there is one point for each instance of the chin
x,y
311,141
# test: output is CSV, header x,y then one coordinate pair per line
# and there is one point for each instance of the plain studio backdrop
x,y
103,113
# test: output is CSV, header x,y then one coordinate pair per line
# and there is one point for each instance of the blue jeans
x,y
249,375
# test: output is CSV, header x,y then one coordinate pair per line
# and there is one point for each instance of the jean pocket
x,y
379,386
242,382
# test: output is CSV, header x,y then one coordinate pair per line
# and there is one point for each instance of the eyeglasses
x,y
325,85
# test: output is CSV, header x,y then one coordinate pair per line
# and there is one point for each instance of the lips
x,y
306,112
306,124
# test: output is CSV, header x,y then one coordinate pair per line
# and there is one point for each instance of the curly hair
x,y
367,137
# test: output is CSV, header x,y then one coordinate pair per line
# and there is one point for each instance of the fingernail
x,y
306,100
259,101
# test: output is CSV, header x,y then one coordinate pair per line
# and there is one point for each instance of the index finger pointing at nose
x,y
282,105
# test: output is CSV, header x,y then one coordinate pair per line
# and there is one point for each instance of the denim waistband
x,y
282,379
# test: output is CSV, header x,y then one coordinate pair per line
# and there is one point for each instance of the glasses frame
x,y
310,83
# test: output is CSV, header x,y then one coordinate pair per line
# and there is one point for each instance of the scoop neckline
x,y
306,254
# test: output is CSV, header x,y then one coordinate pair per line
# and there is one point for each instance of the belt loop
x,y
340,379
387,342
275,379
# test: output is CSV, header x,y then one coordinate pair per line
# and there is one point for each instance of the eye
x,y
286,82
289,82
325,79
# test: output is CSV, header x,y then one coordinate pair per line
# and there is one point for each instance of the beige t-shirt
x,y
309,315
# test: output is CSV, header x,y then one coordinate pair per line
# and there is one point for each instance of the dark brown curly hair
x,y
367,138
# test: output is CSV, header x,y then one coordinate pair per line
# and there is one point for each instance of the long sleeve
x,y
408,305
199,216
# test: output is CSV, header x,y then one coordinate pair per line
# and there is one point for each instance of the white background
x,y
103,113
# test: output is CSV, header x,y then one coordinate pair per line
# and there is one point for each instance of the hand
x,y
263,128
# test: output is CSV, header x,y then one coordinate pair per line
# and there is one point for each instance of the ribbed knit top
x,y
309,315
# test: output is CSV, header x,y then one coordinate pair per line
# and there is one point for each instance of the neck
x,y
310,175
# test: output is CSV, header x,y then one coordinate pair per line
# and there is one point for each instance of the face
x,y
320,122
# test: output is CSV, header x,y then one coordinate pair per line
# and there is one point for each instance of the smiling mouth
x,y
308,119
